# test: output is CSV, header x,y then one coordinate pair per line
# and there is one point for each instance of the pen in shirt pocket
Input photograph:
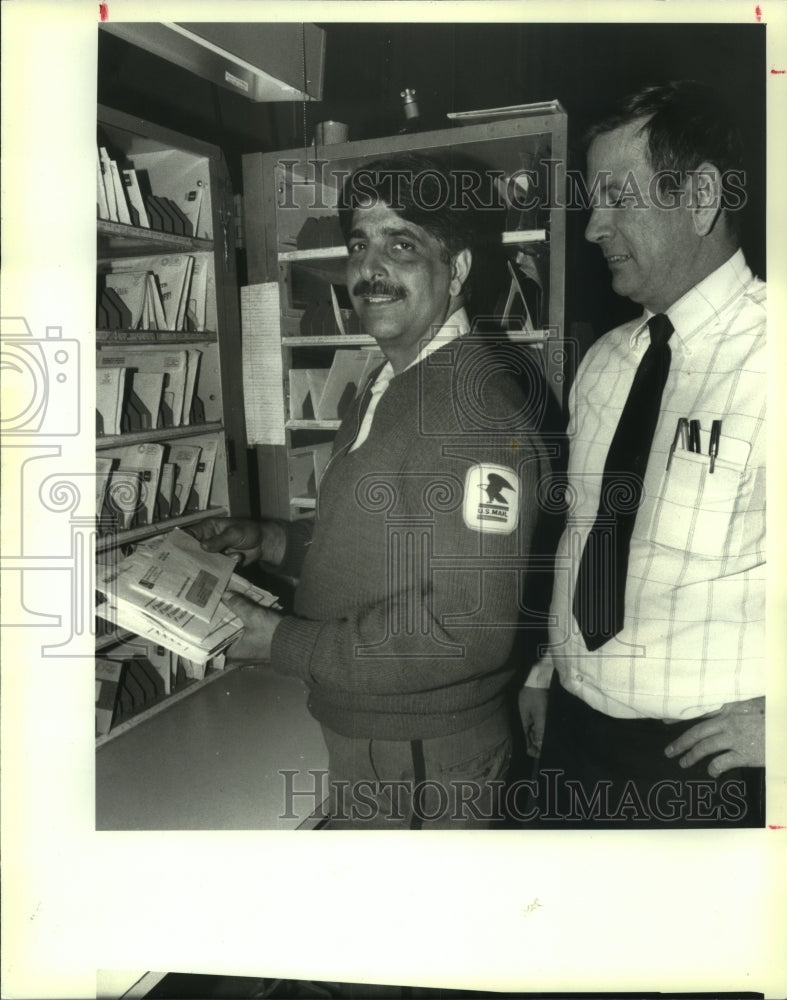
x,y
694,437
715,435
688,433
682,435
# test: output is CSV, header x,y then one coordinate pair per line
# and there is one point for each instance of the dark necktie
x,y
599,595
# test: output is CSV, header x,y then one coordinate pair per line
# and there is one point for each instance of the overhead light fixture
x,y
260,61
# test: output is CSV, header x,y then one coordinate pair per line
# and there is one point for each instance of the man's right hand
x,y
533,711
251,541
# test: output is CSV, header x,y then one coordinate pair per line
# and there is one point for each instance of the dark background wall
x,y
457,67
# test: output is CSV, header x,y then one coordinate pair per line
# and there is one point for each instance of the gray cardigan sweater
x,y
410,589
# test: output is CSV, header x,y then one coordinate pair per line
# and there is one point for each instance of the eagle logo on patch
x,y
491,498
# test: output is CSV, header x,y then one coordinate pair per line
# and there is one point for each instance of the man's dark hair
x,y
418,189
688,123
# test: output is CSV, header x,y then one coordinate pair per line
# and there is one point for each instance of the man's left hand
x,y
736,733
254,645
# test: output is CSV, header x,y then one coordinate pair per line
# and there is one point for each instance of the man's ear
x,y
460,268
705,197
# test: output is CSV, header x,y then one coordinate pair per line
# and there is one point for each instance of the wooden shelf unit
x,y
135,338
508,238
128,536
105,441
165,157
284,190
117,239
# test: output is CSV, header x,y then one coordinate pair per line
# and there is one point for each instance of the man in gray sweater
x,y
411,576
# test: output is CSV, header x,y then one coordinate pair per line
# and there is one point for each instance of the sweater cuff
x,y
540,675
293,645
299,534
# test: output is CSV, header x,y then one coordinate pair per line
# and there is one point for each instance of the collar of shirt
x,y
457,325
701,305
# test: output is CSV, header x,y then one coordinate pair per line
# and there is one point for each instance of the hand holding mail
x,y
250,541
259,624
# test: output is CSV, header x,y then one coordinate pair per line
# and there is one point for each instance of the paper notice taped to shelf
x,y
263,378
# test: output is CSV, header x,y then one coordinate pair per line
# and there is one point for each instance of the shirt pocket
x,y
695,511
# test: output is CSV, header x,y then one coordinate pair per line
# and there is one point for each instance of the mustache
x,y
364,288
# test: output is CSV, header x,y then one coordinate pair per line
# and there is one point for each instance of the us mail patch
x,y
491,498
